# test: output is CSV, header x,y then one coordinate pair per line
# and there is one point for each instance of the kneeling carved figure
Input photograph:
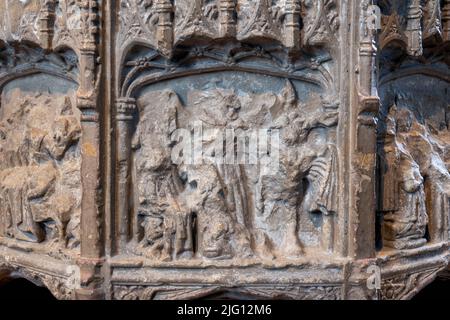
x,y
415,176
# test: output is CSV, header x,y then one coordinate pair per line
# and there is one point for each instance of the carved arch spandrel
x,y
67,25
47,23
20,20
50,24
148,66
321,22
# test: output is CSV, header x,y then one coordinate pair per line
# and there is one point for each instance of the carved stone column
x,y
164,32
414,28
446,20
46,21
92,246
227,18
126,108
362,236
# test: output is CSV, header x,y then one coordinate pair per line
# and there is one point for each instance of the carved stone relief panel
x,y
413,127
227,140
220,210
415,162
40,193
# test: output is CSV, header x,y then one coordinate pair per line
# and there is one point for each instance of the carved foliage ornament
x,y
164,24
416,23
49,23
262,292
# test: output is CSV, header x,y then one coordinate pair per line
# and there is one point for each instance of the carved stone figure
x,y
405,224
240,210
20,18
416,167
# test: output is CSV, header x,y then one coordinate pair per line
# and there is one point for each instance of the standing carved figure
x,y
305,157
416,185
166,221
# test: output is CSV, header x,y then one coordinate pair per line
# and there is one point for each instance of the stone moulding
x,y
346,195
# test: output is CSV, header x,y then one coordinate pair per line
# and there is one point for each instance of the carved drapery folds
x,y
50,180
413,177
446,20
414,169
414,182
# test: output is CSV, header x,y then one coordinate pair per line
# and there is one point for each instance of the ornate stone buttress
x,y
181,149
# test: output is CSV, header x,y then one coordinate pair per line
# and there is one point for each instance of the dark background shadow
x,y
439,289
25,290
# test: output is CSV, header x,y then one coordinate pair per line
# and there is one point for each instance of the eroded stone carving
x,y
277,292
414,163
40,198
19,19
100,198
236,210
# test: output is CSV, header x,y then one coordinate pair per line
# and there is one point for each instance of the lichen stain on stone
x,y
89,150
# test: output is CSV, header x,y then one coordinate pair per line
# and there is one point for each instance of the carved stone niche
x,y
227,159
184,149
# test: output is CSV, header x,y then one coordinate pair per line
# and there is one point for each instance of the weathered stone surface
x,y
287,149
